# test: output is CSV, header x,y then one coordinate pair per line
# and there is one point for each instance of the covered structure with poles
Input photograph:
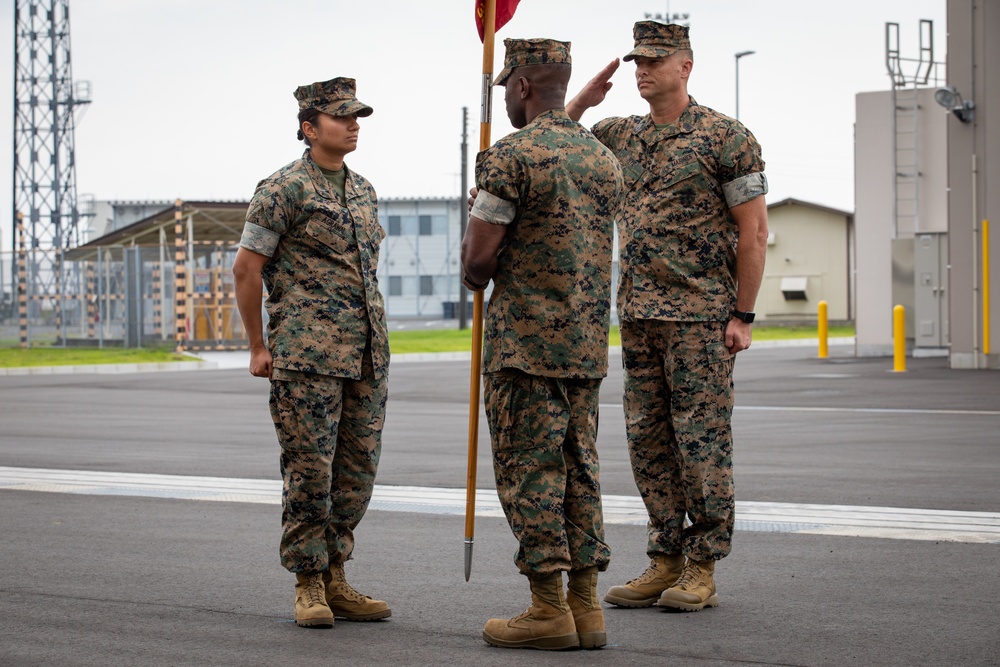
x,y
166,279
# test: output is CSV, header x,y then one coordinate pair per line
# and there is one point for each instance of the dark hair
x,y
307,116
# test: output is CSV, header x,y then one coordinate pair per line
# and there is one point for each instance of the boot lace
x,y
315,592
348,592
345,589
689,577
524,614
651,573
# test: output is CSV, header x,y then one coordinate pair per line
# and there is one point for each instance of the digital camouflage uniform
x,y
677,241
546,335
327,335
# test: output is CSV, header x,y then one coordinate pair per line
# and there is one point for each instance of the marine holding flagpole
x,y
541,229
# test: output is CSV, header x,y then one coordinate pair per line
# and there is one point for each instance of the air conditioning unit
x,y
793,288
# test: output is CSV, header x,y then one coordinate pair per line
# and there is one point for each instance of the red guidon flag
x,y
505,10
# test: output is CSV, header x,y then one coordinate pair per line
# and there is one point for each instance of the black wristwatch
x,y
747,317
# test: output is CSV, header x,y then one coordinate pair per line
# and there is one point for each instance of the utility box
x,y
920,285
930,267
902,282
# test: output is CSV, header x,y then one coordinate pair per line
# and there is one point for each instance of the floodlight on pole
x,y
738,56
679,19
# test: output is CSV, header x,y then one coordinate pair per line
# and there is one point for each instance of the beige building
x,y
973,174
809,259
923,195
893,211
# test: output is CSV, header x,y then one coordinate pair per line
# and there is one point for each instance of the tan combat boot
x,y
547,624
311,610
349,604
587,613
663,572
695,590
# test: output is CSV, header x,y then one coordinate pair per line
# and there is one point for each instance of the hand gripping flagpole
x,y
489,30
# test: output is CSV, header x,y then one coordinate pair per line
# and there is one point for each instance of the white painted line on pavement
x,y
886,411
844,520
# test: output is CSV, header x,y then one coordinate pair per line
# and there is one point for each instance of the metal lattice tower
x,y
45,103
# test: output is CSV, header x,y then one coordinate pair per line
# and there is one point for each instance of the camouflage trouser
x,y
330,432
678,409
544,436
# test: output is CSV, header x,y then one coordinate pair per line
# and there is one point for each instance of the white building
x,y
420,262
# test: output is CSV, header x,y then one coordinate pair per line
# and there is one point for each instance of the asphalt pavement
x,y
132,571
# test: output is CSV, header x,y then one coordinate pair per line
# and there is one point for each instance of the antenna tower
x,y
45,215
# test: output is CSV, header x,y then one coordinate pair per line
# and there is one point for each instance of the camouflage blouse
x,y
550,308
323,300
676,235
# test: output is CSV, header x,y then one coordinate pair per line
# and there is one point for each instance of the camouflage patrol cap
x,y
521,52
658,40
334,97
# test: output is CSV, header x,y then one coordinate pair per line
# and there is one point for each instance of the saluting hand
x,y
594,92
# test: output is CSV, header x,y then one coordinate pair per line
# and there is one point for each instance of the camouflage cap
x,y
658,40
521,52
335,97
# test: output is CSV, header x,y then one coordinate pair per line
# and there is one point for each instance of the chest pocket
x,y
675,173
632,171
327,233
689,185
373,229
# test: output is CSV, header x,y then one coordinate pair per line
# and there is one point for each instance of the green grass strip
x,y
401,342
55,356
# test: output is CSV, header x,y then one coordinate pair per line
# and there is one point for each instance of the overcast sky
x,y
192,99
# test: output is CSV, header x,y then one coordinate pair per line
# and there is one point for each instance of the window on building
x,y
409,225
426,285
425,225
394,225
446,286
409,284
395,285
439,224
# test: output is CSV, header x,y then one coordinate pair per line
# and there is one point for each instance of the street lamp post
x,y
738,56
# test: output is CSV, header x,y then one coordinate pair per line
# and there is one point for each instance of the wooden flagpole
x,y
489,31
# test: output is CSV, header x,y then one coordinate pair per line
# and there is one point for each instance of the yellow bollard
x,y
824,331
899,339
986,287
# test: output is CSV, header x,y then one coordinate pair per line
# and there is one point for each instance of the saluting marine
x,y
692,237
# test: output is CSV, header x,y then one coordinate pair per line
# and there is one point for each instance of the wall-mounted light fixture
x,y
951,99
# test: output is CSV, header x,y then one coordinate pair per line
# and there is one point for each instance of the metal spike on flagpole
x,y
489,32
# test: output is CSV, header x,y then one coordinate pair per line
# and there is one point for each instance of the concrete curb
x,y
153,367
236,359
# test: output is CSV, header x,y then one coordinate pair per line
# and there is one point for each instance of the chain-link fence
x,y
124,296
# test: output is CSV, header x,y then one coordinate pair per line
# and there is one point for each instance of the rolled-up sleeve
x,y
258,239
490,208
268,217
501,180
745,188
